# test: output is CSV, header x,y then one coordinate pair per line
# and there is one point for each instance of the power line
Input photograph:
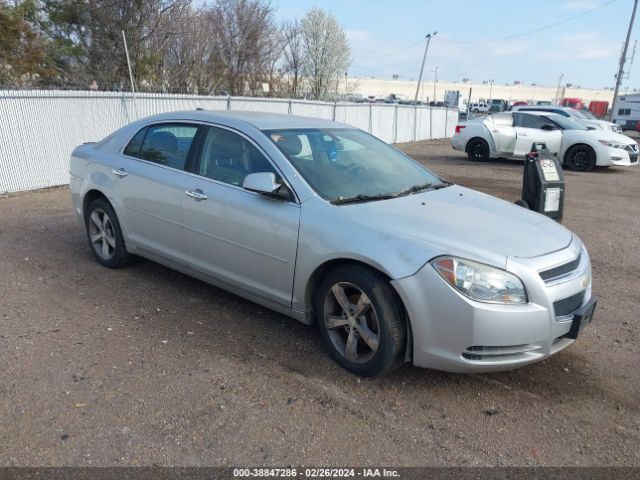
x,y
535,30
516,35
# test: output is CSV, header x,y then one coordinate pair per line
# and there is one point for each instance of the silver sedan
x,y
331,226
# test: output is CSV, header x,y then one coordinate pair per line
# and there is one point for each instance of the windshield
x,y
565,122
587,114
349,164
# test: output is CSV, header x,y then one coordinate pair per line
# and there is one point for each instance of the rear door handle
x,y
119,172
197,194
522,134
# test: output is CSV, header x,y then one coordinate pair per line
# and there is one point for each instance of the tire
x,y
580,158
478,150
104,234
369,354
475,110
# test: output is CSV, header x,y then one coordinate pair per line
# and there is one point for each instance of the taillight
x,y
459,127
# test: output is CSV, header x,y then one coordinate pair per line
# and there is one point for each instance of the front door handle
x,y
120,172
197,194
522,134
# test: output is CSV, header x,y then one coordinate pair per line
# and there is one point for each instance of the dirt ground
x,y
146,366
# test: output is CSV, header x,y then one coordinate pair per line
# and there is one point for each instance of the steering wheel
x,y
354,169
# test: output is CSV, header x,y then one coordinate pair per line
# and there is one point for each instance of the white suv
x,y
480,107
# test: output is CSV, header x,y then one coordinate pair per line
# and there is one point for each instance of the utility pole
x,y
623,60
126,51
557,99
424,58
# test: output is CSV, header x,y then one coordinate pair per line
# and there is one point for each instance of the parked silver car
x,y
329,225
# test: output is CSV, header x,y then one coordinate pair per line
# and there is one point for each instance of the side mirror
x,y
265,183
548,127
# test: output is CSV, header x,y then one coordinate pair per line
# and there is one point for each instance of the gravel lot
x,y
146,366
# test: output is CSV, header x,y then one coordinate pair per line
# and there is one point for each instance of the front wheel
x,y
360,320
104,234
580,158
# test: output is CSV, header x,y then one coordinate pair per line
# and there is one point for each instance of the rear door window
x,y
166,144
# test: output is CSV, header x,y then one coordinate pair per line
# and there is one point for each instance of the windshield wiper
x,y
362,198
423,186
388,196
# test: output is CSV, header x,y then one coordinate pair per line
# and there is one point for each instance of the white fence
x,y
39,129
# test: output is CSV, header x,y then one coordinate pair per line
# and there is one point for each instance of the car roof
x,y
546,113
546,108
260,120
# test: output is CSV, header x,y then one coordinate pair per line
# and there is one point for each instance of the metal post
x,y
289,112
424,58
126,51
335,104
395,124
430,123
623,59
370,118
228,102
435,80
446,120
415,122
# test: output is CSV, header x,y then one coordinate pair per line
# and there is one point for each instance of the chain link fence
x,y
39,129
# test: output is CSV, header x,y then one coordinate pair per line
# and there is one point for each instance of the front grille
x,y
632,148
481,352
568,305
560,270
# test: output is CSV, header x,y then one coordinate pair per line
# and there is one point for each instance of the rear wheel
x,y
104,234
478,150
360,320
580,158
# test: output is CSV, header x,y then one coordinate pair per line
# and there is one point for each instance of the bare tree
x,y
292,54
326,52
189,58
245,39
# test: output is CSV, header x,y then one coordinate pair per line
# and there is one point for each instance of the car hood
x,y
459,221
609,135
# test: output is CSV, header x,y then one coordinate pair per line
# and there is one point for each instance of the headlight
x,y
611,144
481,282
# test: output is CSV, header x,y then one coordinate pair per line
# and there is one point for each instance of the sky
x,y
387,38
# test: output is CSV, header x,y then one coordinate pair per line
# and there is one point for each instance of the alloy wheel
x,y
102,234
580,159
478,150
351,322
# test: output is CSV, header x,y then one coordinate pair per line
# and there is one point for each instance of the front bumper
x,y
454,333
618,156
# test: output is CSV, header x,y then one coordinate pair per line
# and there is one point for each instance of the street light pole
x,y
424,58
623,60
490,88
